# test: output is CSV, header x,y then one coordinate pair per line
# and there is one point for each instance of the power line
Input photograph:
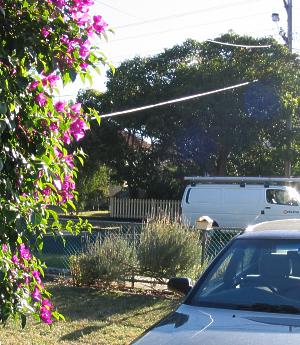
x,y
178,15
239,45
116,9
177,100
183,28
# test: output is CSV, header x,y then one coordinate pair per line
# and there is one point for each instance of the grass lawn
x,y
92,317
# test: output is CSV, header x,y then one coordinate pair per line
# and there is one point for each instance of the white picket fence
x,y
144,208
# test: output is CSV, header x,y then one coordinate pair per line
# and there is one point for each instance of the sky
x,y
145,28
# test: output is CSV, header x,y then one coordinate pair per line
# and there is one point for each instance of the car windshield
x,y
260,275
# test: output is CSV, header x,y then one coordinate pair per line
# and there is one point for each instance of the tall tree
x,y
241,131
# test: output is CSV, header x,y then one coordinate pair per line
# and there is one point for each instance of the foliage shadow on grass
x,y
73,336
92,304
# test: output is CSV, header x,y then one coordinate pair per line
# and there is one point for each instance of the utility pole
x,y
288,164
288,39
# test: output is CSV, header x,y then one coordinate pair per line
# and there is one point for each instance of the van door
x,y
281,204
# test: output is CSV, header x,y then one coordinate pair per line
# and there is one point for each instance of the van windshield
x,y
260,275
283,196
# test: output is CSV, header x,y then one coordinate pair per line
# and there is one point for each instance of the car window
x,y
281,197
253,272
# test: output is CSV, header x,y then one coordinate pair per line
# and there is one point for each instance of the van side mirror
x,y
181,285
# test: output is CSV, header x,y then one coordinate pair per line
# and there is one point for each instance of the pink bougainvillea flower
x,y
37,276
15,259
50,80
66,138
84,51
69,160
47,191
45,32
53,126
47,303
71,45
41,99
36,294
84,65
4,247
68,183
81,18
60,106
33,85
76,108
59,3
27,280
45,315
99,24
40,173
46,311
64,39
24,252
57,152
77,129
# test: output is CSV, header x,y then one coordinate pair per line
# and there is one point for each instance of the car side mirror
x,y
181,285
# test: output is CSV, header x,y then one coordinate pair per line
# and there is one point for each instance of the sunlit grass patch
x,y
93,317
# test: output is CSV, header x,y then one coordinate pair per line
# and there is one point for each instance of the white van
x,y
239,201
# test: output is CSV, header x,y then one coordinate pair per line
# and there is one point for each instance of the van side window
x,y
280,197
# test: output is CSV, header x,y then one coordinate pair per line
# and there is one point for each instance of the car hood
x,y
210,326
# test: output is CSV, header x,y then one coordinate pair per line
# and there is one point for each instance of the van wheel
x,y
215,224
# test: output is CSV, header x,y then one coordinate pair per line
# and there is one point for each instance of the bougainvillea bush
x,y
42,43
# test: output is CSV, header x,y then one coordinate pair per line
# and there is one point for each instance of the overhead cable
x,y
178,15
177,100
116,9
239,45
184,27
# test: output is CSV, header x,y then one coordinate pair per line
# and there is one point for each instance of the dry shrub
x,y
169,249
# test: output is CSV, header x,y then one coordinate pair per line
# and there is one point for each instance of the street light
x,y
275,17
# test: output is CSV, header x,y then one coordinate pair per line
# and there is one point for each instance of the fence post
x,y
204,235
132,271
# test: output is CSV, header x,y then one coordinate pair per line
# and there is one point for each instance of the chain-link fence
x,y
57,250
214,240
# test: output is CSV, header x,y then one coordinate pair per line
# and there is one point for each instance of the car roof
x,y
284,228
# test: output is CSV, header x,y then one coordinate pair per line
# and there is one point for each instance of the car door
x,y
280,204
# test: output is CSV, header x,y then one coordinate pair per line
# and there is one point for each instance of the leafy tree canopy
x,y
241,131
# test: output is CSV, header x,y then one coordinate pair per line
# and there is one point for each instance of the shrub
x,y
108,261
169,249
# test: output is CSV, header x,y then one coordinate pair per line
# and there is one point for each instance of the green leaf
x,y
66,78
53,214
23,321
2,126
89,78
3,108
97,116
70,202
2,11
73,74
97,70
12,107
39,243
80,160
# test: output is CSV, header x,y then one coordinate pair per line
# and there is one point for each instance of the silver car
x,y
249,295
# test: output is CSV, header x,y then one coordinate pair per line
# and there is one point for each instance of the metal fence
x,y
57,250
